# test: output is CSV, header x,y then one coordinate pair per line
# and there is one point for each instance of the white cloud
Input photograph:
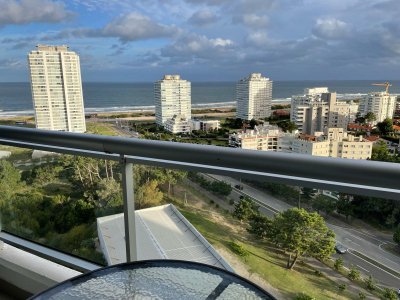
x,y
331,28
251,20
29,11
190,47
135,26
258,38
203,18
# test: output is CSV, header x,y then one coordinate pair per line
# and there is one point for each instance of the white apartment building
x,y
57,89
263,138
318,109
178,124
381,104
335,143
172,98
205,125
254,97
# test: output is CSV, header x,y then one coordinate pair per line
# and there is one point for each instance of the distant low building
x,y
205,125
178,124
335,142
263,138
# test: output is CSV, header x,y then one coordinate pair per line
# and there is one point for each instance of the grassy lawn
x,y
100,128
267,262
220,229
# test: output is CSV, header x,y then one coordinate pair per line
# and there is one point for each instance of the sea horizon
x,y
16,99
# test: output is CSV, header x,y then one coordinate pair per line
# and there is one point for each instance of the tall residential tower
x,y
57,89
172,98
380,103
254,97
318,109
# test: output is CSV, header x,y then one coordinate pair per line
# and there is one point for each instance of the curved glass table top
x,y
156,279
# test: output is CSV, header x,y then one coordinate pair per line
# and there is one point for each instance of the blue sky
x,y
207,40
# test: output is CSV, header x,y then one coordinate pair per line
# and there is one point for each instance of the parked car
x,y
340,249
239,187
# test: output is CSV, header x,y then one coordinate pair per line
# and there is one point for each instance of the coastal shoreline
x,y
134,109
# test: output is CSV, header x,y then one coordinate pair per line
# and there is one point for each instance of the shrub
x,y
318,273
238,249
361,295
231,202
354,274
389,294
370,283
342,287
338,264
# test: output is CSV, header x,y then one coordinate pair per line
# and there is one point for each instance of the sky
x,y
207,40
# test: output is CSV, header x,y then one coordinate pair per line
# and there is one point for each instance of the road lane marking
x,y
374,265
363,268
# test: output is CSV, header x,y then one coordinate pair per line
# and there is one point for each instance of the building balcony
x,y
89,229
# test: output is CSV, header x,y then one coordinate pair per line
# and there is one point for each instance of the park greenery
x,y
57,203
297,232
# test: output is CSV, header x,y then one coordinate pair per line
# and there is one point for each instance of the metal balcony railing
x,y
378,179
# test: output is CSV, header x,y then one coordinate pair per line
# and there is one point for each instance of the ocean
x,y
16,99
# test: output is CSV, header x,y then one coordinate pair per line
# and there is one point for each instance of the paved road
x,y
383,278
365,243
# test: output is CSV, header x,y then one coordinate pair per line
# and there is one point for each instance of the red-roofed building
x,y
373,138
396,129
353,127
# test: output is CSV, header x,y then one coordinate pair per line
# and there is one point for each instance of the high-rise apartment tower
x,y
381,104
254,97
57,89
318,109
172,98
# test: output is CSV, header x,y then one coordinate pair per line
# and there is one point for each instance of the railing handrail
x,y
381,177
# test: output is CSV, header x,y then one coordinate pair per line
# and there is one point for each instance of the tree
x,y
260,226
307,193
9,180
344,206
300,233
172,177
324,203
148,195
287,126
396,235
381,152
245,209
359,119
361,295
338,264
109,193
221,187
253,123
386,126
370,117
